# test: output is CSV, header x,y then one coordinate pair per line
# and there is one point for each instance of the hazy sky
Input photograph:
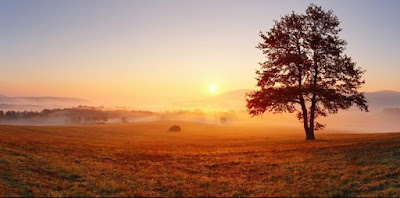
x,y
150,53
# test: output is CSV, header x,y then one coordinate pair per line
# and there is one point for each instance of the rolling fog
x,y
384,113
375,121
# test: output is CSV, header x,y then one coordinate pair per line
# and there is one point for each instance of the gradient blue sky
x,y
150,53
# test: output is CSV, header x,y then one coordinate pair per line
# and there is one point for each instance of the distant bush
x,y
175,128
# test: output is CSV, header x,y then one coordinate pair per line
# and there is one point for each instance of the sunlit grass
x,y
202,160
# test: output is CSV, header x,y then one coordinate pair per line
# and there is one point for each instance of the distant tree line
x,y
76,115
9,115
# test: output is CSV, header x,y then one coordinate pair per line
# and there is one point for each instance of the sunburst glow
x,y
213,88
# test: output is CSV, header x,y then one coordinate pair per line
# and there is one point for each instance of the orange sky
x,y
148,54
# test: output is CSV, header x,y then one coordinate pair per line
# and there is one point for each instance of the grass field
x,y
143,159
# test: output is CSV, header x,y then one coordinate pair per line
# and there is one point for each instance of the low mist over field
x,y
383,115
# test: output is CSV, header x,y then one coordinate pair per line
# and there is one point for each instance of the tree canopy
x,y
306,71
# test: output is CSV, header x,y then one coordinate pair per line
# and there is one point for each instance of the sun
x,y
213,88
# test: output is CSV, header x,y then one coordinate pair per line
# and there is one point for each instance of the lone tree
x,y
306,70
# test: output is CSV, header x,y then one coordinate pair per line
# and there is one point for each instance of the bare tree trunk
x,y
305,115
310,133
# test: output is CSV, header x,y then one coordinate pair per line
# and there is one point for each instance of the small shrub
x,y
175,128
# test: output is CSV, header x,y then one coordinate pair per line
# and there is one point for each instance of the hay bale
x,y
175,128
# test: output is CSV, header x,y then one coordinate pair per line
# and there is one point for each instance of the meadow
x,y
143,159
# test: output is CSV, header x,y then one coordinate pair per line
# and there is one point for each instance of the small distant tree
x,y
124,119
306,70
99,119
46,111
104,118
11,115
223,120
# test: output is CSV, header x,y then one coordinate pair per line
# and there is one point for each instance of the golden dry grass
x,y
143,159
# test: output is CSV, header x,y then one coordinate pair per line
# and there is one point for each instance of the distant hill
x,y
39,102
236,100
383,99
19,107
